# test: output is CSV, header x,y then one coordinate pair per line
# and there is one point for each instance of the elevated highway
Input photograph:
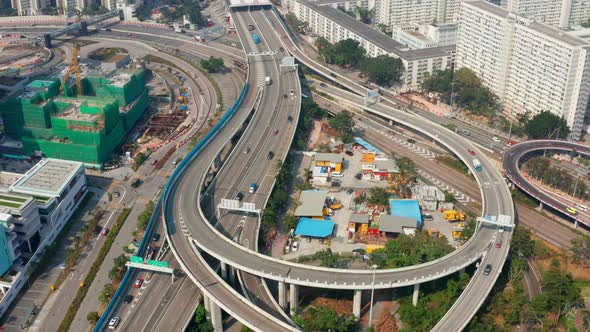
x,y
497,201
513,158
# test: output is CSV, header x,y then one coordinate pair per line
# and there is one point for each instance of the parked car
x,y
117,194
104,232
138,283
349,153
114,322
358,176
128,298
487,269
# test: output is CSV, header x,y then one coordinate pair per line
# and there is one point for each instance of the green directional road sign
x,y
157,263
136,259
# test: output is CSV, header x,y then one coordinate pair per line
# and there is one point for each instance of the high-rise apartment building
x,y
556,13
28,7
404,12
530,66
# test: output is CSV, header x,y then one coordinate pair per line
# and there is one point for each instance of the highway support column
x,y
356,304
282,295
207,306
415,295
232,275
293,298
216,317
223,270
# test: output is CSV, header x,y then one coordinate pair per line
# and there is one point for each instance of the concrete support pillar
x,y
576,223
356,303
540,205
293,298
207,306
462,271
391,122
223,270
415,295
216,317
282,295
232,275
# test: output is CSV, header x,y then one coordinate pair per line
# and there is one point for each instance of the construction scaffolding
x,y
86,128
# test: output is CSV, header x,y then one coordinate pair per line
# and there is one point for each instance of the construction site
x,y
94,113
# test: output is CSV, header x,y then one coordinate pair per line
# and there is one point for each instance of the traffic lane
x,y
180,310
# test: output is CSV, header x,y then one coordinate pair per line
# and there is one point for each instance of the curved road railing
x,y
512,171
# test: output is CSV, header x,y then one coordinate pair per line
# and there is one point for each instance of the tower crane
x,y
73,67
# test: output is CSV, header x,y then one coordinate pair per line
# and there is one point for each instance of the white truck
x,y
267,80
179,30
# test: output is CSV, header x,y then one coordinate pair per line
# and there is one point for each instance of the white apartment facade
x,y
556,13
28,7
47,196
335,26
419,36
530,66
404,12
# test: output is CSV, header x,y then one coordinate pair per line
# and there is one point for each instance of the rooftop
x,y
11,201
409,208
395,224
358,218
378,38
366,145
120,79
331,157
386,165
312,203
555,34
245,3
48,178
314,227
39,84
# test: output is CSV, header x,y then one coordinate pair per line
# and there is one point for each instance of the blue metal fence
x,y
177,172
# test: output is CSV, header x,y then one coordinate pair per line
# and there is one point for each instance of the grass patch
x,y
10,205
102,54
453,163
524,199
81,294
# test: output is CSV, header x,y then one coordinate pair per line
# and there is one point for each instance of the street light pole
x,y
374,268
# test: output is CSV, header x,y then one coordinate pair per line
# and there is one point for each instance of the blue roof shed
x,y
409,208
314,227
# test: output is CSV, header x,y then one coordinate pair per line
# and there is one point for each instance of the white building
x,y
419,36
33,210
530,66
404,12
28,7
335,26
557,13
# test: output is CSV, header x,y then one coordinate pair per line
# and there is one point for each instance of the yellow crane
x,y
75,67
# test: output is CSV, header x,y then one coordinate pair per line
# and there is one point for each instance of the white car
x,y
295,246
496,139
114,323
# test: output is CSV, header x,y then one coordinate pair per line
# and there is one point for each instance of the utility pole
x,y
374,268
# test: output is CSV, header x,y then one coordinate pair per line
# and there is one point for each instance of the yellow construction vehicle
x,y
453,215
75,67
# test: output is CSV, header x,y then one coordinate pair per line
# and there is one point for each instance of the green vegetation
x,y
309,111
378,195
383,70
435,299
213,64
409,250
290,221
468,230
449,197
277,203
559,178
49,10
546,125
343,123
365,15
294,22
345,53
468,91
118,270
581,247
6,8
200,322
586,24
73,308
329,259
10,205
102,54
453,163
174,11
106,294
324,318
144,217
93,317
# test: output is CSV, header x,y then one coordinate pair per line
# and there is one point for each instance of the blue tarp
x,y
409,208
314,227
366,145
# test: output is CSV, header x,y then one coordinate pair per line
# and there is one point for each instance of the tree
x,y
105,295
407,167
213,64
200,322
521,244
49,10
409,250
290,221
379,196
92,317
143,12
449,197
468,231
343,123
293,21
324,318
365,15
581,247
559,296
547,125
383,70
345,53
